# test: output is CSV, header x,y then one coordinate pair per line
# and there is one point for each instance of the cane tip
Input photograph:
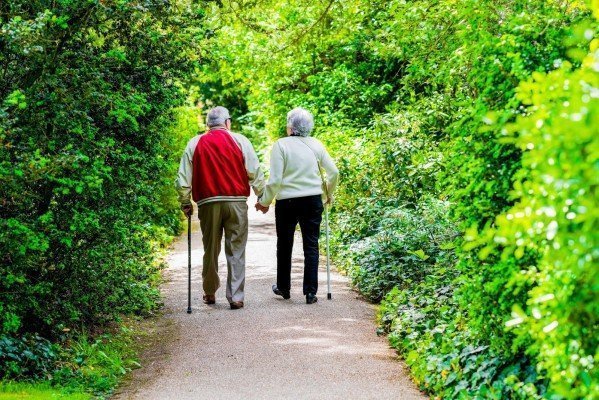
x,y
189,310
329,296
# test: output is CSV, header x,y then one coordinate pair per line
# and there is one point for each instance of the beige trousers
x,y
232,218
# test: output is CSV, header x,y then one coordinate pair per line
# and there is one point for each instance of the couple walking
x,y
217,170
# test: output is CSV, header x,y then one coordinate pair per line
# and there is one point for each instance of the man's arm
x,y
252,165
183,181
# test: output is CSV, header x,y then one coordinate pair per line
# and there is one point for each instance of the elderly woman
x,y
296,183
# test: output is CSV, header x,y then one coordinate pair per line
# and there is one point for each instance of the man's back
x,y
219,172
217,169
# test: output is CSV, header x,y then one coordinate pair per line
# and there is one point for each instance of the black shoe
x,y
284,293
236,305
311,298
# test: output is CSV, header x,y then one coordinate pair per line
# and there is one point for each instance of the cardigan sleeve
x,y
277,166
332,173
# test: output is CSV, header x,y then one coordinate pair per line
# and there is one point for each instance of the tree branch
x,y
299,38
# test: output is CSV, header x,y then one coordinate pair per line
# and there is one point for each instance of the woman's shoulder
x,y
314,140
286,142
315,144
292,141
280,143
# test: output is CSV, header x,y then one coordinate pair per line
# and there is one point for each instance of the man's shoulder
x,y
194,140
239,136
241,139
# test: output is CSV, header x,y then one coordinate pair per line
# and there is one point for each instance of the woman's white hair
x,y
300,121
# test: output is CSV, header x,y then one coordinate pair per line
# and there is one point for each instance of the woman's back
x,y
300,173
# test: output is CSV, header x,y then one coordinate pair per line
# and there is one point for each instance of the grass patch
x,y
97,365
38,391
86,367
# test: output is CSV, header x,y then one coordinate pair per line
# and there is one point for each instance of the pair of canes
x,y
326,218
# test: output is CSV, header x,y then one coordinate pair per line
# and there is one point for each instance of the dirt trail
x,y
273,348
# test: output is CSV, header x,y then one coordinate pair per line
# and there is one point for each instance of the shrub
x,y
430,109
401,251
90,138
29,356
555,217
86,157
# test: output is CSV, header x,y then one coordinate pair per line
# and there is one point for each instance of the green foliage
x,y
425,100
83,365
95,365
27,356
555,217
91,129
86,157
426,325
465,137
37,391
399,251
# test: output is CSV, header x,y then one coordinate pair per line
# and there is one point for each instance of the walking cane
x,y
326,223
189,264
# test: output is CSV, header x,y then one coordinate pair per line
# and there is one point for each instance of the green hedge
x,y
465,138
88,154
432,111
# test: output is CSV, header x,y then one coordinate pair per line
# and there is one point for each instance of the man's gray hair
x,y
300,121
217,117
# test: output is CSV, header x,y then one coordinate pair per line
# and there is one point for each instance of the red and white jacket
x,y
218,166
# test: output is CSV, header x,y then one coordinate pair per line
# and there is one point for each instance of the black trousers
x,y
307,211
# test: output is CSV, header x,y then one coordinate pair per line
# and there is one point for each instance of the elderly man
x,y
217,169
296,182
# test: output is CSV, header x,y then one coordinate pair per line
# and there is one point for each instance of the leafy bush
x,y
465,139
86,157
91,131
426,325
28,356
401,251
81,365
421,100
555,218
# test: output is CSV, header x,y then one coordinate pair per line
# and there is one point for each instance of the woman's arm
x,y
277,165
331,170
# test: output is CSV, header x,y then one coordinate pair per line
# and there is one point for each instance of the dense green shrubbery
x,y
426,325
421,100
399,251
555,217
28,355
88,153
465,138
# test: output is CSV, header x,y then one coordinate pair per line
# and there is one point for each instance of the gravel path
x,y
273,348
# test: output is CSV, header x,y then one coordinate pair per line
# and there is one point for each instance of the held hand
x,y
260,207
187,210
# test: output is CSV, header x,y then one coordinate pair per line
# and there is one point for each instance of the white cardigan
x,y
294,169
